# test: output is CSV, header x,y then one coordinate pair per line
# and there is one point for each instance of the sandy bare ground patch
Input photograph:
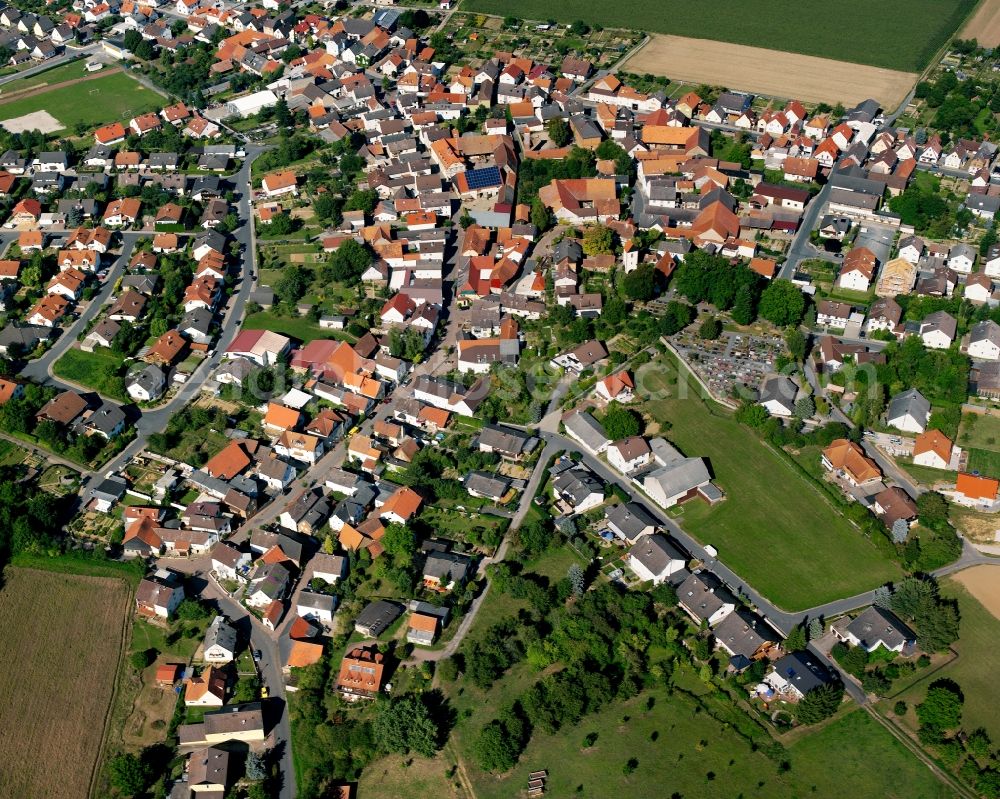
x,y
36,120
983,582
984,25
769,72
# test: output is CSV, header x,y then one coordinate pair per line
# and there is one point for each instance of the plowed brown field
x,y
769,72
61,637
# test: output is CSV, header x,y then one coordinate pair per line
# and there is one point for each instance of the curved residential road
x,y
269,664
782,619
155,420
801,248
527,497
40,369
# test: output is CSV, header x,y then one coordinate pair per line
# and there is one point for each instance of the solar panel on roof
x,y
483,178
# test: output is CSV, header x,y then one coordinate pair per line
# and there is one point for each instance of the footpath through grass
x,y
775,528
896,34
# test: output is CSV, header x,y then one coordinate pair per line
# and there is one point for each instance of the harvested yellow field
x,y
62,638
983,582
769,72
984,25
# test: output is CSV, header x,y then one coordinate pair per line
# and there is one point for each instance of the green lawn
x,y
90,369
151,636
984,461
456,525
918,28
107,99
409,777
688,745
925,474
774,528
851,744
196,447
684,752
976,667
63,72
978,431
89,566
553,564
10,453
300,328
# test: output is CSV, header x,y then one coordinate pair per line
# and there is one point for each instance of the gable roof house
x,y
48,311
279,184
858,269
422,629
508,442
848,460
228,562
894,505
909,411
576,486
122,212
745,637
798,673
581,357
875,627
983,341
377,617
220,641
933,449
618,386
487,485
884,314
361,674
679,479
268,582
974,491
629,521
208,689
655,558
444,570
316,607
159,594
128,307
630,454
583,428
582,200
938,330
704,598
147,385
233,722
777,395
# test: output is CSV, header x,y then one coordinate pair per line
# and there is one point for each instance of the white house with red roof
x,y
263,347
619,387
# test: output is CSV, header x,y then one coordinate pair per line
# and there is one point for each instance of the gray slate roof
x,y
910,402
876,624
803,670
656,552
